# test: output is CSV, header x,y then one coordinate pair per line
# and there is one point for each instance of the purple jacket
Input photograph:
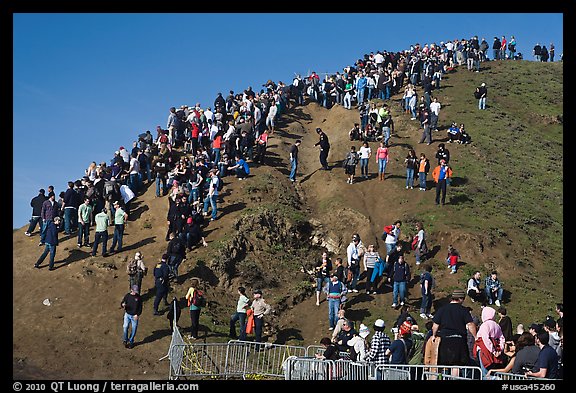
x,y
49,210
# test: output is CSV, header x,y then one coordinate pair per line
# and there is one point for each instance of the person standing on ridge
x,y
36,204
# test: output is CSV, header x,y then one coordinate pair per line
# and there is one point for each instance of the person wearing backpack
x,y
136,270
196,300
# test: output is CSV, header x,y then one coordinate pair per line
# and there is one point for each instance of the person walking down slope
x,y
132,305
324,148
51,242
349,163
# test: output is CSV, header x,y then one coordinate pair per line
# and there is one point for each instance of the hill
x,y
504,211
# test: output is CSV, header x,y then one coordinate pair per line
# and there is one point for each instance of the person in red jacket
x,y
442,175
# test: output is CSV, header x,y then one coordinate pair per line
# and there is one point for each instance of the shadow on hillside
x,y
459,200
289,135
299,114
433,251
358,314
285,335
139,244
458,181
233,208
74,255
307,177
201,271
137,213
156,334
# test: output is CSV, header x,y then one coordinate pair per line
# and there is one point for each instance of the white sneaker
x,y
355,290
497,303
401,303
406,187
423,316
331,328
394,305
430,316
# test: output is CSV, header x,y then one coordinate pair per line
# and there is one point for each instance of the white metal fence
x,y
251,360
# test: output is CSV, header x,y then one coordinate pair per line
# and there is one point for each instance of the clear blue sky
x,y
85,84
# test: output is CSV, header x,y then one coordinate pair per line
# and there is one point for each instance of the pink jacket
x,y
490,328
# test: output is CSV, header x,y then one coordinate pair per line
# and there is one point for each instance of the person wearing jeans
x,y
240,315
365,154
426,283
212,196
84,217
411,162
132,305
336,290
400,276
260,309
51,243
294,160
101,232
120,218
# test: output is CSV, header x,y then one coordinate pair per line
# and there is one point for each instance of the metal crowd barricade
x,y
307,369
256,360
511,376
345,370
199,360
175,352
432,372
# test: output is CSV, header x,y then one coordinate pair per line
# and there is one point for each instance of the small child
x,y
452,259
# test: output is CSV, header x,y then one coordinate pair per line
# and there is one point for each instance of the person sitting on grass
x,y
453,133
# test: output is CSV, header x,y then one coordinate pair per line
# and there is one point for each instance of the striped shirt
x,y
370,259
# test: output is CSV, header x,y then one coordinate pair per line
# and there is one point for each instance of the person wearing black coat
x,y
161,281
324,148
36,204
443,154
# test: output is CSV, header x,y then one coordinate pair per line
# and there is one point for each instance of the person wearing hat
x,y
451,323
378,347
442,174
324,144
36,204
101,233
132,305
51,242
259,308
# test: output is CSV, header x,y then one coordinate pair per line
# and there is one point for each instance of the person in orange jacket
x,y
442,175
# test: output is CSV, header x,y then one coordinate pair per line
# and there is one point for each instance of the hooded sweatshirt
x,y
490,329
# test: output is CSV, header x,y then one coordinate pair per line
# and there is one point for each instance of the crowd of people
x,y
188,159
